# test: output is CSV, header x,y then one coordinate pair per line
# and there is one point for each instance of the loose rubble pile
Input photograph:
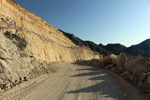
x,y
135,69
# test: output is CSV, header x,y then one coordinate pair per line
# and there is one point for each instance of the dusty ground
x,y
75,82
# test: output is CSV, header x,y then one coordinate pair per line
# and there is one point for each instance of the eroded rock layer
x,y
28,43
40,39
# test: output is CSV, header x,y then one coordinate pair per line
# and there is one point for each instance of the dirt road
x,y
71,82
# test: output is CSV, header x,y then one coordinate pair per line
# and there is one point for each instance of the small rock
x,y
125,73
21,79
140,84
26,78
7,86
132,78
142,76
14,84
16,81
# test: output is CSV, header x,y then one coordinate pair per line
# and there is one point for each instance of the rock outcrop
x,y
27,42
16,65
41,40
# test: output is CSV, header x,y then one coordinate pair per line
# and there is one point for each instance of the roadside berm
x,y
135,69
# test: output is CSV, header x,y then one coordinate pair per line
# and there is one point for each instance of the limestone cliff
x,y
43,41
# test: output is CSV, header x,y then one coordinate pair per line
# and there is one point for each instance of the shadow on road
x,y
104,85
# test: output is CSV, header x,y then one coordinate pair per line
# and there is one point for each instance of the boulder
x,y
113,58
121,60
132,61
135,66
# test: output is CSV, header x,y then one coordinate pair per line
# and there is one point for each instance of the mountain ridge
x,y
142,48
89,44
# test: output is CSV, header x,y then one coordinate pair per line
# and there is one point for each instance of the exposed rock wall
x,y
27,42
43,41
15,64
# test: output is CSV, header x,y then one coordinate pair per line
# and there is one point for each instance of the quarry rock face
x,y
14,63
41,40
27,41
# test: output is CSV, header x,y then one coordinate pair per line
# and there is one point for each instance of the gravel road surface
x,y
68,81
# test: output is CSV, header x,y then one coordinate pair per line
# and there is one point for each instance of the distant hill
x,y
143,48
115,48
97,48
89,44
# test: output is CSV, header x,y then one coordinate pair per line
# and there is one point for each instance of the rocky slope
x,y
115,48
43,41
142,48
27,42
89,44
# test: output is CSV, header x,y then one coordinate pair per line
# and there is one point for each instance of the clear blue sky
x,y
102,21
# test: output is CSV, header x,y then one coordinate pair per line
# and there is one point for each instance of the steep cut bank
x,y
28,43
43,41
